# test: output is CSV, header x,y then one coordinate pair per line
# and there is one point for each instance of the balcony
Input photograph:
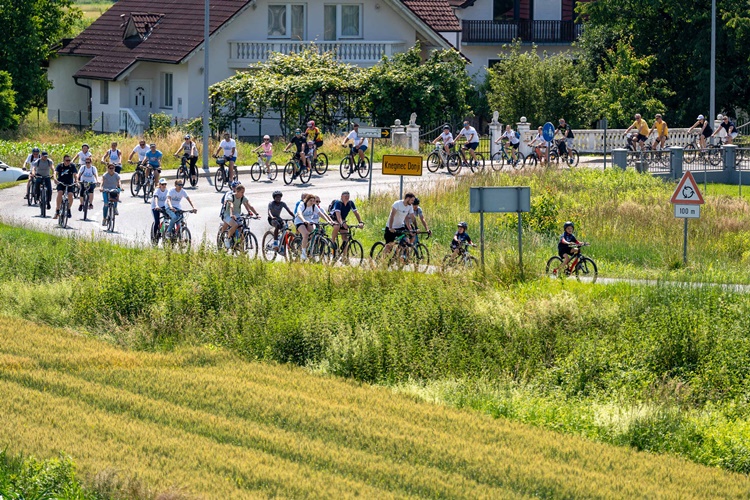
x,y
494,32
361,53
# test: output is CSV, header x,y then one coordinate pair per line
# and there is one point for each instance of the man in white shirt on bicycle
x,y
472,141
446,138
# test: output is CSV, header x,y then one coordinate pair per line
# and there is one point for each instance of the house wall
x,y
65,95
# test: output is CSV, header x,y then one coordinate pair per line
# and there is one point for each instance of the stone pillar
x,y
675,161
412,133
523,127
620,158
398,134
730,157
496,130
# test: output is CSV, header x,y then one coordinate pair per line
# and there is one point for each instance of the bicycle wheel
x,y
155,234
448,262
220,179
136,182
353,254
573,158
321,164
182,174
194,176
148,191
269,252
86,206
715,156
251,245
289,173
479,163
255,171
305,174
530,161
553,264
454,164
422,256
345,168
519,161
497,161
62,217
433,162
273,171
376,251
294,248
185,237
586,267
554,157
111,218
364,168
43,199
690,154
470,262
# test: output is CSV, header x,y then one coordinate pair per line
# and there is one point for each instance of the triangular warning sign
x,y
687,192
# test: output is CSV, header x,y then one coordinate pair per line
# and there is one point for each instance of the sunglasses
x,y
110,168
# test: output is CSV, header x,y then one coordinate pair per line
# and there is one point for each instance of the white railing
x,y
592,141
242,53
130,123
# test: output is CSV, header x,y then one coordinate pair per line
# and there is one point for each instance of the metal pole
x,y
549,145
712,107
401,187
481,226
605,144
739,176
206,111
372,167
520,244
684,244
705,173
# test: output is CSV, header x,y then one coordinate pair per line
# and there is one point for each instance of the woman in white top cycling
x,y
539,145
87,174
446,138
113,156
513,142
304,220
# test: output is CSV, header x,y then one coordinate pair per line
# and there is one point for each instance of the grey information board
x,y
500,199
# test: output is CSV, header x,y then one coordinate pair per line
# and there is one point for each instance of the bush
x,y
160,124
8,117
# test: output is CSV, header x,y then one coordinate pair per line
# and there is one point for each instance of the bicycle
x,y
138,179
273,247
42,195
62,218
318,161
651,154
319,245
351,252
180,233
184,174
112,195
32,193
243,240
295,168
440,159
403,252
349,165
579,264
464,258
84,195
474,164
498,160
257,168
570,157
149,186
221,178
157,233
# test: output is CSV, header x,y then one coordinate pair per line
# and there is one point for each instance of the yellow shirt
x,y
642,128
661,128
313,134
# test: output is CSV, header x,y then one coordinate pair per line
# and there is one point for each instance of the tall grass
x,y
212,425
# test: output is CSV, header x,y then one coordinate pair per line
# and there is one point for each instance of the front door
x,y
140,98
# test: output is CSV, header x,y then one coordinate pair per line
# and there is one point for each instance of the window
x,y
286,21
504,10
166,90
342,21
103,92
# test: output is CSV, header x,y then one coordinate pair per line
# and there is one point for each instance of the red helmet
x,y
311,123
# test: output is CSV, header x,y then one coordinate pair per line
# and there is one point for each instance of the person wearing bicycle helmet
x,y
267,148
33,157
565,250
274,214
459,239
190,149
313,134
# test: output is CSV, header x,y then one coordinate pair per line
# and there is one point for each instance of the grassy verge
x,y
652,351
208,424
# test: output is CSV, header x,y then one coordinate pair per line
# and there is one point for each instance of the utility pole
x,y
712,105
206,109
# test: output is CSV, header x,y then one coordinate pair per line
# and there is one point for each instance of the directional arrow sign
x,y
687,192
385,133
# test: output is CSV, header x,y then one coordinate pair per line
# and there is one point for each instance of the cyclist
x,y
662,132
317,214
87,173
303,220
28,165
110,180
418,214
80,157
446,138
267,148
232,210
174,198
41,172
113,156
314,135
513,142
229,148
729,127
460,238
706,130
540,145
359,143
153,162
642,132
472,141
190,149
274,214
564,248
141,149
397,221
158,204
65,173
338,212
300,143
563,128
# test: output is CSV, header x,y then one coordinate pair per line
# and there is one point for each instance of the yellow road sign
x,y
402,165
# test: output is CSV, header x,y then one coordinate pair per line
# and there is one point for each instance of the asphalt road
x,y
134,222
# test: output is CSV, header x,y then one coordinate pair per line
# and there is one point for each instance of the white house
x,y
143,57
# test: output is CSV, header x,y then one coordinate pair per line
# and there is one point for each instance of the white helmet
x,y
266,136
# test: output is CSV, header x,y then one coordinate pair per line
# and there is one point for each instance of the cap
x,y
152,145
162,181
701,117
44,153
266,137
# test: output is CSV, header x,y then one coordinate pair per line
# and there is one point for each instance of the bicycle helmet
x,y
567,225
701,117
297,131
35,150
277,193
267,137
234,184
187,136
446,127
463,225
311,123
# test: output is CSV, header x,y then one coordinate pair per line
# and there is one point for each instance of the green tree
x,y
8,116
534,86
436,88
31,28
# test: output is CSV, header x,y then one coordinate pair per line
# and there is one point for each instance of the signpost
x,y
687,201
548,132
503,200
374,133
402,165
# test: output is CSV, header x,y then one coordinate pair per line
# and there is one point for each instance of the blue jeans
x,y
172,219
105,195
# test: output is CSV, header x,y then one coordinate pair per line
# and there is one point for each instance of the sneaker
x,y
269,176
227,242
275,245
80,207
69,215
49,207
104,222
57,214
116,212
303,256
26,197
91,206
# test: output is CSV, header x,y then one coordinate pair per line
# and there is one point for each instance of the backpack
x,y
224,204
518,135
330,206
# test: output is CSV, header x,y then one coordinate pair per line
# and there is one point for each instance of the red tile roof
x,y
437,14
176,30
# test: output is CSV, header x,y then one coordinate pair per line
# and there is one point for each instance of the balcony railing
x,y
355,52
491,32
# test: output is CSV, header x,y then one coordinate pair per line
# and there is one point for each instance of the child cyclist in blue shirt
x,y
459,239
564,248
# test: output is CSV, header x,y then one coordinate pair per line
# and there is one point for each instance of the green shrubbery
x,y
24,478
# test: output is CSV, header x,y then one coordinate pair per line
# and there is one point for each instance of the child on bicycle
x,y
564,246
267,148
459,239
